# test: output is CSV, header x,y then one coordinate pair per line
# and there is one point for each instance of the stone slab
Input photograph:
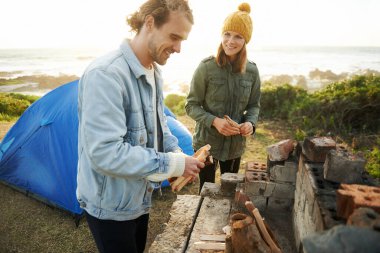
x,y
175,235
212,217
343,167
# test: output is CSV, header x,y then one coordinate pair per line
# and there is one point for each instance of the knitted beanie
x,y
240,22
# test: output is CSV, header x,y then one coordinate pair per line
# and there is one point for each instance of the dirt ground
x,y
28,225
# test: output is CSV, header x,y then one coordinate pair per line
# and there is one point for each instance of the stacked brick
x,y
343,167
353,196
315,201
319,204
276,179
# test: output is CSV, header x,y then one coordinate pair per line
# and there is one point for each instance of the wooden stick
x,y
209,245
201,155
213,237
182,184
231,121
262,228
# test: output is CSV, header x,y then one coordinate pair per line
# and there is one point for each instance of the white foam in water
x,y
178,71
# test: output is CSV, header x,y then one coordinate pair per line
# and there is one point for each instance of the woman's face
x,y
232,43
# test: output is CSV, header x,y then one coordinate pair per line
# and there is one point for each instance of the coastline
x,y
40,84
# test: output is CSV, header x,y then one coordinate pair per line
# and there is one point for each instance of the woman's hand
x,y
224,127
246,129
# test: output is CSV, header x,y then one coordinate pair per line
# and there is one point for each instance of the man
x,y
124,143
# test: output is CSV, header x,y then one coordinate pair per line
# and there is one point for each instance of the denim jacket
x,y
215,92
115,137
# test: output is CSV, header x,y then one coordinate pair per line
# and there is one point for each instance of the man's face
x,y
168,38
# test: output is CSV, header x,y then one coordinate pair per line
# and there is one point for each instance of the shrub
x,y
349,106
278,101
13,105
373,162
176,104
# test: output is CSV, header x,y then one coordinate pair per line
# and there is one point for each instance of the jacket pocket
x,y
217,89
245,87
137,136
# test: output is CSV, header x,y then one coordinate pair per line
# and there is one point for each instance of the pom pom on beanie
x,y
240,22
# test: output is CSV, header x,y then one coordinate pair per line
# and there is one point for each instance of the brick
x,y
257,175
229,182
285,173
270,163
254,166
316,148
352,196
280,151
283,191
343,167
365,217
259,188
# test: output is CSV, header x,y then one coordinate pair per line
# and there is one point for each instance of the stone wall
x,y
301,192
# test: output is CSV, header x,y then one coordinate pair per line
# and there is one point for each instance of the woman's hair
x,y
160,10
239,65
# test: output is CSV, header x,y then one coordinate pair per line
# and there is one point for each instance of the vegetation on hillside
x,y
13,105
42,81
176,104
347,110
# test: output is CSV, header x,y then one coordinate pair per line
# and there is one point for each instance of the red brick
x,y
316,148
353,196
365,217
280,151
251,176
254,166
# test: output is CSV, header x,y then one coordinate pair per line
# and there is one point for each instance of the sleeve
x,y
253,107
103,131
196,97
176,168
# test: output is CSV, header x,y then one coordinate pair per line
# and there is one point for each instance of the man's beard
x,y
156,56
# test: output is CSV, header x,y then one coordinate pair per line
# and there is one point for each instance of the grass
x,y
28,225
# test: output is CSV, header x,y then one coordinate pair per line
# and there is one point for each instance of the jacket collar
x,y
136,67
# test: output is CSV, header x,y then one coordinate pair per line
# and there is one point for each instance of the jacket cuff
x,y
209,120
176,164
176,167
253,126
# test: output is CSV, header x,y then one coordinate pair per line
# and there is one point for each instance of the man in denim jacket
x,y
124,142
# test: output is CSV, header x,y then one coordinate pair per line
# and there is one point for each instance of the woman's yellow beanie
x,y
240,22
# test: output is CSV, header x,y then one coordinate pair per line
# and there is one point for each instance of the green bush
x,y
12,105
176,104
278,101
373,162
350,106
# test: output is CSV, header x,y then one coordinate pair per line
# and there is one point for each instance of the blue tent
x,y
39,153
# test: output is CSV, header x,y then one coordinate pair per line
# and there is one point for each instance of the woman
x,y
226,85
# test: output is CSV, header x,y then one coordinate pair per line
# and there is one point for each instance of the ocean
x,y
291,62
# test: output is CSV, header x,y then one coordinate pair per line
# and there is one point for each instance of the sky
x,y
101,24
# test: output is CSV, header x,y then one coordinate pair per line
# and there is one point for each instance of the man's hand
x,y
224,127
192,167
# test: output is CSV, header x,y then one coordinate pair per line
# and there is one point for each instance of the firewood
x,y
203,155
